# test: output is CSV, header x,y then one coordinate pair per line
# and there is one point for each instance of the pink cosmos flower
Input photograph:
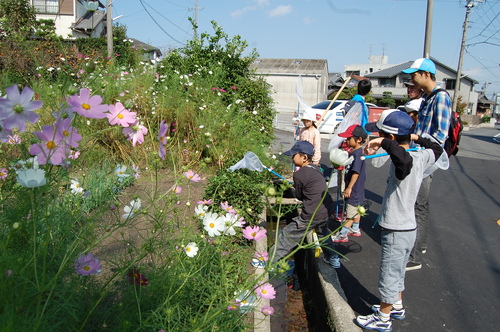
x,y
234,306
51,149
266,291
14,139
137,174
3,173
136,133
177,189
206,202
87,264
191,176
87,106
74,154
254,233
17,108
262,255
118,114
229,209
162,137
267,310
70,134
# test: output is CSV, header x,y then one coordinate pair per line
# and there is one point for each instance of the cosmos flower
x,y
136,133
3,173
87,264
120,171
88,106
266,291
245,301
267,310
225,206
135,277
206,202
213,224
200,210
118,114
69,134
162,137
262,255
137,173
230,222
191,249
191,176
17,108
340,158
132,209
254,233
177,189
31,178
75,187
52,148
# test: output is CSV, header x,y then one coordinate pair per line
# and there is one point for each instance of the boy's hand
x,y
373,146
347,192
413,137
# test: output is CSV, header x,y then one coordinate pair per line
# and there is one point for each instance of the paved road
x,y
458,288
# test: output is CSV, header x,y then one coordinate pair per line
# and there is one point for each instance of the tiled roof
x,y
299,66
390,72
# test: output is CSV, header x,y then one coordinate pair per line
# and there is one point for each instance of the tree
x,y
17,19
387,100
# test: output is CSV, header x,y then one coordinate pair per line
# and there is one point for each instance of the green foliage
x,y
17,19
243,189
486,119
349,93
387,100
45,29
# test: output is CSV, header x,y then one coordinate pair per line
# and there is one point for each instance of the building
x,y
73,18
284,75
375,63
391,79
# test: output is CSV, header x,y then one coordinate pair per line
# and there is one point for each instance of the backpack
x,y
454,131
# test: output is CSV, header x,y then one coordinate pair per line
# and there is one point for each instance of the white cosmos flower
x,y
31,178
191,249
213,224
201,210
75,187
132,209
230,222
120,171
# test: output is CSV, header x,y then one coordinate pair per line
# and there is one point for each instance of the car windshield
x,y
323,105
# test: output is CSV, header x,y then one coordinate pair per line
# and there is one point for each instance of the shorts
x,y
351,211
396,248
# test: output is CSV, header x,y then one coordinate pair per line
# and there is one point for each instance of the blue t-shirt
x,y
357,166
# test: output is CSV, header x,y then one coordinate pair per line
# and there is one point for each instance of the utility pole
x,y
428,29
109,29
195,8
469,6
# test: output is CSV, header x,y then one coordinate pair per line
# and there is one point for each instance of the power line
x,y
159,26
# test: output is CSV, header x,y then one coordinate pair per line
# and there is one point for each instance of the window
x,y
387,82
352,72
450,84
46,6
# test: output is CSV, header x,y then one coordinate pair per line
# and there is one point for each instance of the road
x,y
458,288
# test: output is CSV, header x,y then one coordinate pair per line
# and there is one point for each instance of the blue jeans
x,y
396,247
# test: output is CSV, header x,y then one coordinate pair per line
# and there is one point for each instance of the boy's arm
x,y
348,189
428,144
399,156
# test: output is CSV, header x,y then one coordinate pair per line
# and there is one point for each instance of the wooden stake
x,y
334,99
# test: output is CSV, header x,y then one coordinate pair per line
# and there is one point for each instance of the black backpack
x,y
455,130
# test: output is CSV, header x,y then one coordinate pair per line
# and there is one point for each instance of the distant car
x,y
336,114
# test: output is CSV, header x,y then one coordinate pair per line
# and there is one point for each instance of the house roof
x,y
391,71
139,44
396,70
90,21
484,100
298,66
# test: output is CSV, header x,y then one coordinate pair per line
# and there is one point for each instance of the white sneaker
x,y
374,322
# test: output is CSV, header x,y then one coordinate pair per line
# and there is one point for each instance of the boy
x,y
397,216
310,188
354,193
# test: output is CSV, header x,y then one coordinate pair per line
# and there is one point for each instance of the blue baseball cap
x,y
392,122
301,147
422,64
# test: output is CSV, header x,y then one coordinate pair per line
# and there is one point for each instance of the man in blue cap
x,y
434,120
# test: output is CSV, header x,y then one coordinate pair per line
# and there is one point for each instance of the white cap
x,y
309,114
413,105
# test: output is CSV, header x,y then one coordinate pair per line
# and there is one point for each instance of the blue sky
x,y
343,32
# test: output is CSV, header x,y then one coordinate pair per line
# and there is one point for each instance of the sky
x,y
342,32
